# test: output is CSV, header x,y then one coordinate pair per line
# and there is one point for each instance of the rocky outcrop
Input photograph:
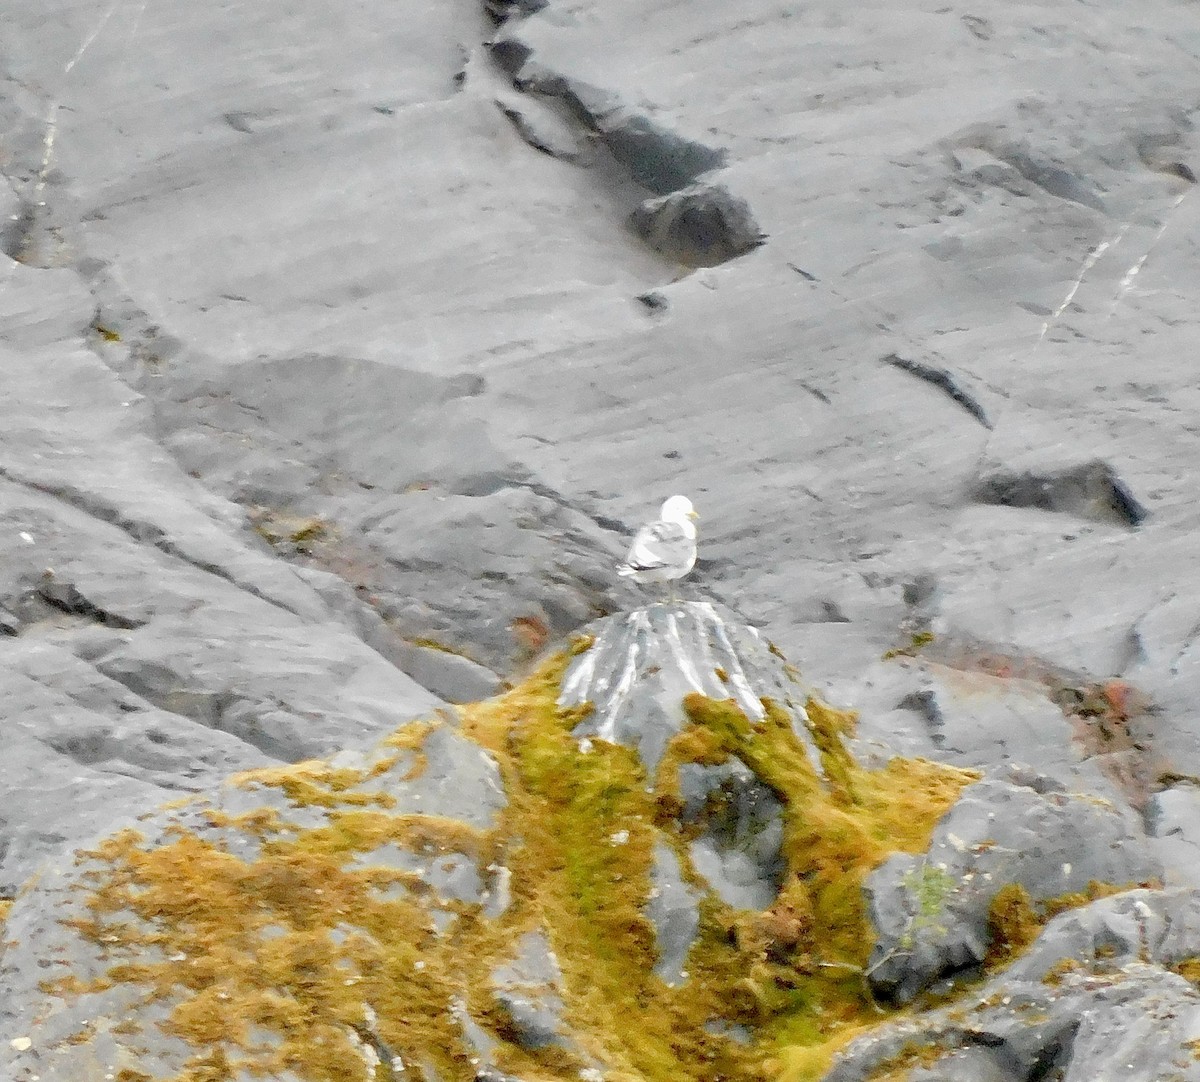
x,y
476,892
1107,991
611,868
340,354
932,911
640,666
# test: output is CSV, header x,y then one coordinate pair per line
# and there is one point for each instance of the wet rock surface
x,y
341,352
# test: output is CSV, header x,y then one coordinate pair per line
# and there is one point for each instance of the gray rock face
x,y
312,357
741,832
459,781
931,911
673,910
1095,998
1136,1026
1173,816
528,991
1162,927
981,720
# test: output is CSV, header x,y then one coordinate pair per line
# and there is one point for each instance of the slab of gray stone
x,y
1173,818
673,910
528,989
1094,998
923,706
1156,926
930,911
739,821
459,780
152,648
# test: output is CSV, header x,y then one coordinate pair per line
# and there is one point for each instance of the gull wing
x,y
660,544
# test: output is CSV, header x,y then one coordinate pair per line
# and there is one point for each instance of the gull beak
x,y
693,515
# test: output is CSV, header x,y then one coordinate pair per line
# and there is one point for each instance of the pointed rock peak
x,y
643,664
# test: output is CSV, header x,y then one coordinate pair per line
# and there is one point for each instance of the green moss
x,y
580,644
828,727
897,1068
931,888
1012,924
315,784
588,889
295,533
1189,970
294,942
310,942
917,641
312,530
1060,969
1096,889
428,643
797,971
1015,920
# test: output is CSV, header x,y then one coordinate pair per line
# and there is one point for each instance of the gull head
x,y
678,509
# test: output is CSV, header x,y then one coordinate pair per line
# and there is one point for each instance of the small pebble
x,y
21,1044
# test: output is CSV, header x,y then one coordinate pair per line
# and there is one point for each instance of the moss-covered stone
x,y
1012,924
290,532
797,971
297,952
1015,920
897,1068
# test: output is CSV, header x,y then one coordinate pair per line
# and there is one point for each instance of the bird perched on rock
x,y
665,550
